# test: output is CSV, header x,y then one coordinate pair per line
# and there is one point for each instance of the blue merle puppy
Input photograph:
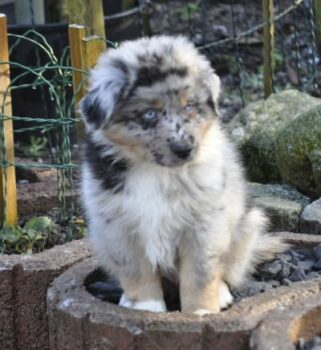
x,y
162,186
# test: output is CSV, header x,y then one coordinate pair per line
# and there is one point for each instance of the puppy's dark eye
x,y
150,118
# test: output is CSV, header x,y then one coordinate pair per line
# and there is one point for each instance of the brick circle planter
x,y
285,326
78,320
24,280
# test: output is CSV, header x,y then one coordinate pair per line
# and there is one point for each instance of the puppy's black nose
x,y
181,150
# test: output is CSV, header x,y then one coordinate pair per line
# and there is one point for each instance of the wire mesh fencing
x,y
44,116
51,79
43,112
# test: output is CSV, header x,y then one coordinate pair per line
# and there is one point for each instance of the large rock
x,y
311,218
298,152
314,157
256,127
283,204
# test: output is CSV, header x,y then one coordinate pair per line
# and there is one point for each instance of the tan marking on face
x,y
132,148
204,128
115,134
157,104
183,98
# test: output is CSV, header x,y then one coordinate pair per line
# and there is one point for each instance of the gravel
x,y
289,267
292,266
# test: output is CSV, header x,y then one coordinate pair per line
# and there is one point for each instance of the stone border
x,y
24,280
285,326
78,320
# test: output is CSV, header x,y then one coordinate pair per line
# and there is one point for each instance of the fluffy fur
x,y
163,187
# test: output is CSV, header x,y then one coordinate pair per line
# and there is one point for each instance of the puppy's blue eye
x,y
150,115
189,108
150,118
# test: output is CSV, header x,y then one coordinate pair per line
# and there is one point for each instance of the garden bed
x,y
47,217
24,283
79,320
37,187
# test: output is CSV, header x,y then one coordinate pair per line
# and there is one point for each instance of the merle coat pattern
x,y
162,186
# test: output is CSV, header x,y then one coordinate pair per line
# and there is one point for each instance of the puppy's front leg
x,y
202,289
143,292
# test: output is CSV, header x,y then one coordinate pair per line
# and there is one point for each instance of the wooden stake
x,y
88,13
7,174
268,39
92,48
84,55
76,34
89,18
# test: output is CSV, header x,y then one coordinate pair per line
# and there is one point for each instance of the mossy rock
x,y
298,152
256,127
314,158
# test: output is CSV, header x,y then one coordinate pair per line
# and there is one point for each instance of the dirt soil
x,y
37,195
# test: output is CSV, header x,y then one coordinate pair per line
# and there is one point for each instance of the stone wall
x,y
24,280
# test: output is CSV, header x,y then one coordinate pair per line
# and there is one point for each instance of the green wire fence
x,y
54,78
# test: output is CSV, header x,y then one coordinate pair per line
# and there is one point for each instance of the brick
x,y
23,291
7,310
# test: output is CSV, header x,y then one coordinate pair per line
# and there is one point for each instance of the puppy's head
x,y
154,99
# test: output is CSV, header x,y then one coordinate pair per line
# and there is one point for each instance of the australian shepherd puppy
x,y
162,186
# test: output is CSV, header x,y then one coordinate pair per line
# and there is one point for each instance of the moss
x,y
256,127
315,160
298,148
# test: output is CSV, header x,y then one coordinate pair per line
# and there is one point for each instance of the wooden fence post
x,y
8,197
84,54
76,34
88,13
85,43
93,46
268,44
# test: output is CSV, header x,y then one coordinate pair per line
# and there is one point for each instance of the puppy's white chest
x,y
156,212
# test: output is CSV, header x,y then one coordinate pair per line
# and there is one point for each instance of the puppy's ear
x,y
92,112
101,101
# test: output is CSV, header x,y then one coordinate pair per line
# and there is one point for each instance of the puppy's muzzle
x,y
181,150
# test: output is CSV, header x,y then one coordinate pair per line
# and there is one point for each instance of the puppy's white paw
x,y
124,302
203,312
150,305
225,296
